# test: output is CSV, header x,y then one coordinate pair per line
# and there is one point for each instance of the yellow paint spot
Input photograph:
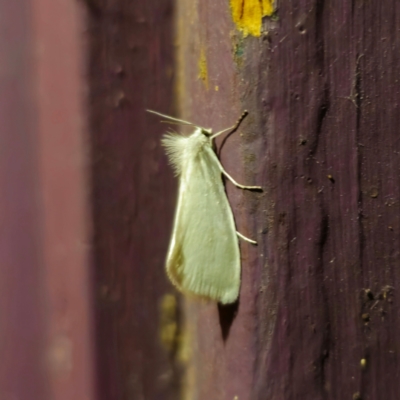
x,y
203,70
216,88
248,14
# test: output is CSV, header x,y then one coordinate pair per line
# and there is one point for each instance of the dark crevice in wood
x,y
319,34
357,88
320,118
326,341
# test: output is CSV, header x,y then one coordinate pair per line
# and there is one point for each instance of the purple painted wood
x,y
131,69
45,316
318,316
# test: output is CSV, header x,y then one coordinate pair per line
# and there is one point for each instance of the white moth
x,y
203,257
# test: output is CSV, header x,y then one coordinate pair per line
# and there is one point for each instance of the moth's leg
x,y
233,127
246,238
238,184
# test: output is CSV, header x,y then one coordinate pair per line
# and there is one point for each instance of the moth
x,y
203,257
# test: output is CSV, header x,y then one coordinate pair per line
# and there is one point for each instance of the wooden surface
x,y
131,69
45,295
318,315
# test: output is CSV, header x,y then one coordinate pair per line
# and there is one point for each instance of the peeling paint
x,y
248,14
203,69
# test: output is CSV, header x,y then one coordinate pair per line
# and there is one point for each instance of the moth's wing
x,y
204,257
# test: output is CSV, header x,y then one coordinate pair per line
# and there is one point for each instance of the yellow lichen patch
x,y
248,14
169,322
268,8
203,70
185,354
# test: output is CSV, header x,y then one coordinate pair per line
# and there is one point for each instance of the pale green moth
x,y
203,257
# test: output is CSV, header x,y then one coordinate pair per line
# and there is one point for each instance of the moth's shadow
x,y
227,314
219,149
234,129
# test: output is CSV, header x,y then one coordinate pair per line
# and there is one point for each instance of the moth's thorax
x,y
183,150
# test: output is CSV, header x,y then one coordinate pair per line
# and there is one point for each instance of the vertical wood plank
x,y
317,316
45,297
23,329
131,69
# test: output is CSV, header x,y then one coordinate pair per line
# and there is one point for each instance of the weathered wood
x,y
131,69
45,313
318,312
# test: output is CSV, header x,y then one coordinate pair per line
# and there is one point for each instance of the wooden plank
x,y
131,69
45,296
317,316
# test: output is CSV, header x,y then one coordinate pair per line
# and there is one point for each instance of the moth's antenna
x,y
232,128
171,122
181,121
241,118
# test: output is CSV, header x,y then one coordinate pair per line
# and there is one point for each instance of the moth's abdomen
x,y
195,144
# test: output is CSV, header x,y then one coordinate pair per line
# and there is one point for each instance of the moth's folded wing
x,y
204,256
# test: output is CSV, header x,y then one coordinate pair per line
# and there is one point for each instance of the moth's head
x,y
203,134
206,132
